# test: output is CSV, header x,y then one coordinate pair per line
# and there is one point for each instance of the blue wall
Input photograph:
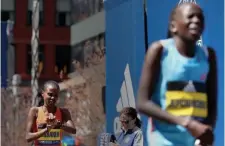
x,y
125,45
4,46
213,36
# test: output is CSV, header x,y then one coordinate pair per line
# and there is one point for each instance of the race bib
x,y
50,138
186,99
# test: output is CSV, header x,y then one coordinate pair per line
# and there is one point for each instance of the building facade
x,y
58,33
87,31
54,35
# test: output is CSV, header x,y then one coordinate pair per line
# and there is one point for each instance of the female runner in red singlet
x,y
45,123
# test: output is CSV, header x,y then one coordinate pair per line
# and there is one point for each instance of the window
x,y
63,19
7,15
63,59
82,9
40,56
29,13
29,18
63,9
7,10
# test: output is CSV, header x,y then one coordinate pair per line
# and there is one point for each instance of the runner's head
x,y
50,93
129,119
186,22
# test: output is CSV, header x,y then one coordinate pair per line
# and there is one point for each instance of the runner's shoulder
x,y
155,49
34,110
156,46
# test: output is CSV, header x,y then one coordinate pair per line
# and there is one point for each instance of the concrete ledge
x,y
88,28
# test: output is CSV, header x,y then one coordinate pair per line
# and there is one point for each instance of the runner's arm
x,y
211,84
30,136
148,80
67,124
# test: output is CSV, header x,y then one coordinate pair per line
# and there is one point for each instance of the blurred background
x,y
71,50
67,41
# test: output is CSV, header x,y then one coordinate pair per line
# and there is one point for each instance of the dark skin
x,y
186,27
50,96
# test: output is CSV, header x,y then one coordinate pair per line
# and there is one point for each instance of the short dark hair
x,y
45,86
52,84
131,112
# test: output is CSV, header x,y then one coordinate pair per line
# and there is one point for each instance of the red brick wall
x,y
50,36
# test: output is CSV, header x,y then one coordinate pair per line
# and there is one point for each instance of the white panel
x,y
119,105
124,97
93,26
8,5
63,5
30,5
129,86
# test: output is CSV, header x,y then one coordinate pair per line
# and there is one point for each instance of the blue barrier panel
x,y
214,37
125,49
158,15
4,46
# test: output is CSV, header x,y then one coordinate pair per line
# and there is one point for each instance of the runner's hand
x,y
207,138
200,131
196,128
51,117
51,121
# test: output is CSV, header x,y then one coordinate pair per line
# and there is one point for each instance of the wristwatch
x,y
59,124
